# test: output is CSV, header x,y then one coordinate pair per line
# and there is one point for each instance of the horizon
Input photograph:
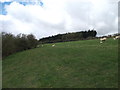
x,y
97,36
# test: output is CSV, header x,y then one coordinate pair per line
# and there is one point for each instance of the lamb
x,y
102,39
114,38
38,46
53,45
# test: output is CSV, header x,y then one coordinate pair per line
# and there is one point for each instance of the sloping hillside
x,y
78,64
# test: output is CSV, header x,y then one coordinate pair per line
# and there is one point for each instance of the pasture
x,y
77,64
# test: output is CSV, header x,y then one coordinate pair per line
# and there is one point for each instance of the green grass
x,y
77,64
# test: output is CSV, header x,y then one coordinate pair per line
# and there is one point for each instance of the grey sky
x,y
61,16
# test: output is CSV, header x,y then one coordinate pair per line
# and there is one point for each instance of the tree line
x,y
12,44
69,37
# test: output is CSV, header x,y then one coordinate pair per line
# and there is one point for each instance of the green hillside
x,y
77,64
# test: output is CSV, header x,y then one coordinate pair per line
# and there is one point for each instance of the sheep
x,y
114,38
117,37
38,46
53,45
102,39
101,42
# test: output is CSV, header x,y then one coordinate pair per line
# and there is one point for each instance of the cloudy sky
x,y
50,17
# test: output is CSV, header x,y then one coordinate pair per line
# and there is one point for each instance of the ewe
x,y
117,37
102,39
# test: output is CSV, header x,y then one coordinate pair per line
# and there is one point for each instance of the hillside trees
x,y
12,44
32,42
69,37
8,44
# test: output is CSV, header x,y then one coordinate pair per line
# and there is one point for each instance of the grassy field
x,y
77,64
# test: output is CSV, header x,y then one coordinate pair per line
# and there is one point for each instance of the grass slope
x,y
78,64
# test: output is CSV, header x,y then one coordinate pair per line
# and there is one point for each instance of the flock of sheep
x,y
101,40
43,45
104,38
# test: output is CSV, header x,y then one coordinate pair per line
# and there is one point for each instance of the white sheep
x,y
114,38
101,42
103,39
38,46
117,37
53,45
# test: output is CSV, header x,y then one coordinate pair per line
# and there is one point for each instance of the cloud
x,y
58,16
6,0
32,19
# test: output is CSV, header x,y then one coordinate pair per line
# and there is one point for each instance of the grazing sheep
x,y
114,38
117,37
102,39
53,45
101,42
38,46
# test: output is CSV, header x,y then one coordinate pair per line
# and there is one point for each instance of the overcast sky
x,y
49,17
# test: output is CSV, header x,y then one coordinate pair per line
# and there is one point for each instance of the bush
x,y
12,44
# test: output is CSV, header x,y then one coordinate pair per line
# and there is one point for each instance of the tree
x,y
12,44
8,44
32,42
